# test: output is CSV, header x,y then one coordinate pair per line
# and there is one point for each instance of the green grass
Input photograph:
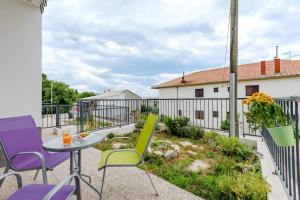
x,y
234,171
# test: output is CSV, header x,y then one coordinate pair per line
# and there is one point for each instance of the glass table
x,y
56,145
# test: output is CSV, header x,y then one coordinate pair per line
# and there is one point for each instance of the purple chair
x,y
22,145
45,192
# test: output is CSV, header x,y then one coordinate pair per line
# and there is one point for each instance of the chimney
x,y
183,81
277,65
263,67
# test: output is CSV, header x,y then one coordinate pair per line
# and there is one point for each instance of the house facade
x,y
255,77
200,95
21,58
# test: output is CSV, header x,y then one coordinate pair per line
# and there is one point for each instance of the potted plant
x,y
264,111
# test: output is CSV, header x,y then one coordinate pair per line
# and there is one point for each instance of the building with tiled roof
x,y
278,78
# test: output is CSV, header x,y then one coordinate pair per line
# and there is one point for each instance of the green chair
x,y
130,157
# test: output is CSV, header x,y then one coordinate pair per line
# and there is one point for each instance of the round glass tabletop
x,y
56,144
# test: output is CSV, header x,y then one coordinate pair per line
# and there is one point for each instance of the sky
x,y
95,45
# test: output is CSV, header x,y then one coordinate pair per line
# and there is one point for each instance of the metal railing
x,y
57,115
286,159
208,113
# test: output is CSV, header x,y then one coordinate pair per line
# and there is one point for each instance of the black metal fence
x,y
57,115
286,159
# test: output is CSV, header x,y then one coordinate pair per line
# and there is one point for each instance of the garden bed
x,y
213,167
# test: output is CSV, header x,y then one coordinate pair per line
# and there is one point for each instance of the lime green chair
x,y
130,157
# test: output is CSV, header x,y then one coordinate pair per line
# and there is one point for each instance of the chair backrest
x,y
146,134
19,134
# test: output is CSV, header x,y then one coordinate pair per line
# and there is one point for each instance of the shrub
x,y
233,147
180,128
225,124
192,132
110,135
242,186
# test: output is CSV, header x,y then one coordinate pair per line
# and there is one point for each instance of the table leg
x,y
71,162
78,166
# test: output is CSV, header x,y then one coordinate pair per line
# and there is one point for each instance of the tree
x,y
85,94
62,93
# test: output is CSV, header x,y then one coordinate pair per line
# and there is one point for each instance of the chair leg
x,y
103,177
5,171
78,193
44,174
156,193
36,174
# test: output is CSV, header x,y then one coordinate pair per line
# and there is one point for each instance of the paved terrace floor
x,y
128,183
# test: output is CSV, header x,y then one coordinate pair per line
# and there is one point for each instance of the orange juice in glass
x,y
67,138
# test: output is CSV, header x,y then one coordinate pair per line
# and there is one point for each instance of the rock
x,y
175,147
149,150
192,153
198,165
164,145
170,154
159,153
201,148
195,146
185,143
118,145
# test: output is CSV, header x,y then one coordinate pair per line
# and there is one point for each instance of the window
x,y
250,89
228,89
179,112
216,90
199,114
215,114
199,92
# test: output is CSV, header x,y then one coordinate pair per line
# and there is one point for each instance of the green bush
x,y
110,135
233,147
180,128
225,125
242,186
192,132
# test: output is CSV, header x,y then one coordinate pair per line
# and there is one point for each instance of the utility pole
x,y
234,126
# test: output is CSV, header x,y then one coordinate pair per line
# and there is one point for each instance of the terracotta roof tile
x,y
245,72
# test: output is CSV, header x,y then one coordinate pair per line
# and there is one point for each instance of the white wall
x,y
283,87
275,87
20,59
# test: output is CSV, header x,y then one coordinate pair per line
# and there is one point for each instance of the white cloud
x,y
132,44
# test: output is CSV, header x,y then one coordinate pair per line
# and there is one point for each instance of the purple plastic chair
x,y
22,145
45,192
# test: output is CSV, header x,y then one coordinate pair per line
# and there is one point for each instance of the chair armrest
x,y
40,157
120,138
18,177
35,153
60,185
122,150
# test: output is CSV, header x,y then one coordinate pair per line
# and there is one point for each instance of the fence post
x,y
57,123
297,143
81,116
147,108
